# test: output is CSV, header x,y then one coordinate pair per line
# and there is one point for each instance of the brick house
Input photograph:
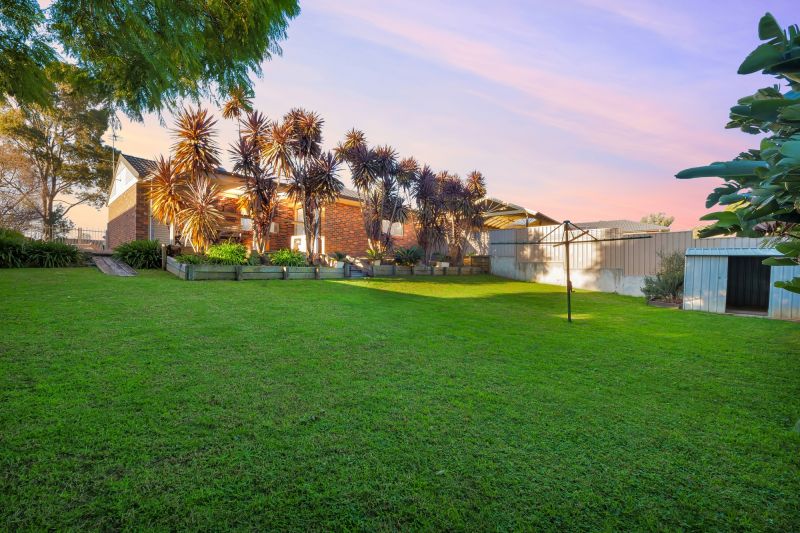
x,y
130,217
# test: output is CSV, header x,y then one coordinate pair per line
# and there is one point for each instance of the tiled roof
x,y
626,226
144,166
140,165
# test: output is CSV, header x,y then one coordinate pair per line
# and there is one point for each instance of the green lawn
x,y
458,403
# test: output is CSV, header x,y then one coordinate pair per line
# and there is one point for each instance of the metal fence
x,y
609,265
84,238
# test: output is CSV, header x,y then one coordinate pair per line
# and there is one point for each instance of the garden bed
x,y
191,272
383,271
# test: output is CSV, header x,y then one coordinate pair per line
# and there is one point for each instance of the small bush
x,y
50,254
667,284
375,255
191,259
408,256
140,254
339,256
12,251
11,234
288,257
227,253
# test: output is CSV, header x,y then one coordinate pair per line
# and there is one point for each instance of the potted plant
x,y
375,256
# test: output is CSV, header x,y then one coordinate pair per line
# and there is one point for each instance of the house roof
x,y
140,165
143,166
504,215
626,226
748,252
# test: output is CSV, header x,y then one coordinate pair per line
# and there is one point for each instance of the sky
x,y
580,109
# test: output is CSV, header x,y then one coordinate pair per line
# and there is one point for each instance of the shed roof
x,y
626,226
503,215
723,252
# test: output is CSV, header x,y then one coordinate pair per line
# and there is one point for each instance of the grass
x,y
458,403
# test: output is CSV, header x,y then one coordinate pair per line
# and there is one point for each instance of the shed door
x,y
748,284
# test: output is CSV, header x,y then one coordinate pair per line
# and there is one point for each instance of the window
x,y
299,224
397,228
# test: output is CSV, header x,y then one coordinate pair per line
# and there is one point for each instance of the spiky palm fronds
x,y
386,158
320,185
407,171
307,132
165,191
476,185
314,188
256,128
200,219
239,102
363,167
278,150
195,151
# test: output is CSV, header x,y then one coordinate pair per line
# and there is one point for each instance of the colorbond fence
x,y
637,257
611,266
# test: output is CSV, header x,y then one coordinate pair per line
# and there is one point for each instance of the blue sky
x,y
581,109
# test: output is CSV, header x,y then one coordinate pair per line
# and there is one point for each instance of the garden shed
x,y
734,280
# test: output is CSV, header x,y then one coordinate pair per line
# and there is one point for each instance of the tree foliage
x,y
294,150
17,190
63,142
761,189
145,55
659,219
260,197
383,183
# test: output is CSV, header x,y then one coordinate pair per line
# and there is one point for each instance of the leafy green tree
x,y
761,192
17,190
659,219
145,55
70,164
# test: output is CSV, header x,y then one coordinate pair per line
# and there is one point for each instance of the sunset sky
x,y
581,109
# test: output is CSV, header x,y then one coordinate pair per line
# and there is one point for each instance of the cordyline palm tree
x,y
382,184
200,217
429,219
293,149
260,197
315,188
239,102
195,155
166,190
462,202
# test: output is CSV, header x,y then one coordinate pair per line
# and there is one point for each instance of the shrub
x,y
408,256
12,250
190,259
11,234
375,255
667,284
140,254
288,257
339,256
227,253
50,254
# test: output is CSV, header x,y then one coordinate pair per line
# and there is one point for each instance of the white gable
x,y
123,180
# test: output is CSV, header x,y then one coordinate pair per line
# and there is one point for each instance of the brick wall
x,y
142,213
284,217
343,228
122,214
